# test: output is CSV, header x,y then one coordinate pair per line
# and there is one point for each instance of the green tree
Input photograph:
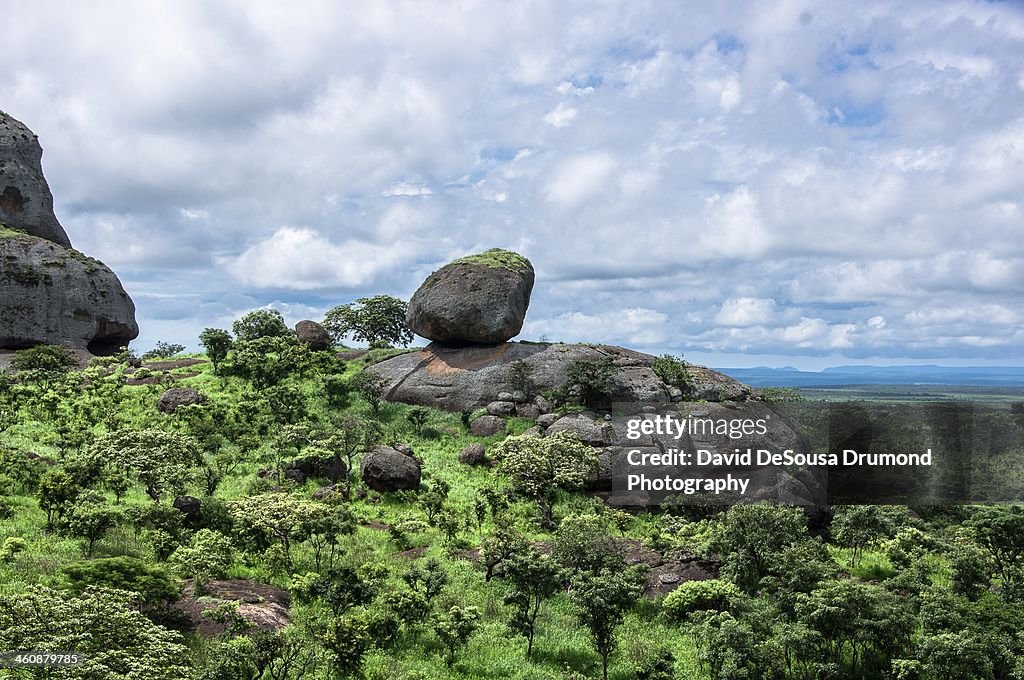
x,y
90,519
105,626
56,492
378,320
163,350
455,627
261,323
859,527
217,343
749,537
582,544
535,578
674,372
278,515
163,461
347,639
151,582
370,387
594,378
209,556
601,601
538,466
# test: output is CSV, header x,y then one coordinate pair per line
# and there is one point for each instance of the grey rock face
x,y
586,430
172,399
467,378
480,299
55,295
501,408
25,199
313,334
385,469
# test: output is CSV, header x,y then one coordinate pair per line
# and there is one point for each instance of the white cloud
x,y
745,311
560,116
578,178
300,259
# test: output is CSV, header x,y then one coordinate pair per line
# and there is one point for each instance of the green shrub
x,y
673,371
49,358
694,596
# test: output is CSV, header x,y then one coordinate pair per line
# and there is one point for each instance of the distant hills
x,y
993,376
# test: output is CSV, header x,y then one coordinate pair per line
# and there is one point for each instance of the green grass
x,y
496,258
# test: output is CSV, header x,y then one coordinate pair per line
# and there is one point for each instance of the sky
x,y
787,183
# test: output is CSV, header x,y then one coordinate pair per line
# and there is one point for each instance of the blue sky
x,y
780,183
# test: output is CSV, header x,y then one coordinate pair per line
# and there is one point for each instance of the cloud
x,y
301,259
795,179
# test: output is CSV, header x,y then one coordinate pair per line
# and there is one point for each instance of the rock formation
x,y
386,468
26,203
467,378
479,299
49,292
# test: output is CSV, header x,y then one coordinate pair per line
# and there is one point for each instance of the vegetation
x,y
378,320
121,527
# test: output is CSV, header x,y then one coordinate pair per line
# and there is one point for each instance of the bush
x,y
163,350
11,547
674,372
153,583
694,596
49,358
593,377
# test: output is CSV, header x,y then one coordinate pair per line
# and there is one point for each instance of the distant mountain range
x,y
993,376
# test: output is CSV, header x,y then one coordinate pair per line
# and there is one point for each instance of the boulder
x,y
501,408
543,405
485,426
527,411
175,397
297,476
547,419
331,469
468,378
586,430
385,469
191,507
313,334
479,299
473,454
26,203
57,295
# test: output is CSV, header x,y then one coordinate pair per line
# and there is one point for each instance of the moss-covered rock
x,y
477,299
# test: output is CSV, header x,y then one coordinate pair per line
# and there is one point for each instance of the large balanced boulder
x,y
26,203
314,335
468,378
479,299
384,468
51,294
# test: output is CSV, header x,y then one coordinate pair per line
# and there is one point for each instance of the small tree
x,y
534,578
348,640
90,519
537,466
210,556
163,461
261,323
378,320
217,343
428,578
48,358
163,350
56,492
674,372
593,377
601,602
455,628
371,387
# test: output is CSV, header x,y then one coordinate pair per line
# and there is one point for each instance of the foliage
x,y
217,343
370,387
208,557
89,519
103,625
378,320
674,372
534,578
455,627
780,395
45,358
861,526
600,602
538,466
163,350
163,461
152,583
593,377
582,544
261,323
694,596
749,537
